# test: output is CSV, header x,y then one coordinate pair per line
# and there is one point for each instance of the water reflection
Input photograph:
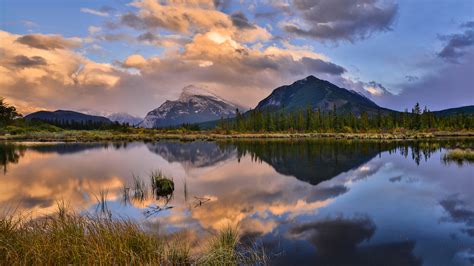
x,y
309,201
314,161
192,154
10,153
332,237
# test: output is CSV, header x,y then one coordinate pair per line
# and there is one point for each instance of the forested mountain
x,y
312,104
315,93
69,119
466,110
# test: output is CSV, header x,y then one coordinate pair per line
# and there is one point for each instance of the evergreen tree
x,y
7,113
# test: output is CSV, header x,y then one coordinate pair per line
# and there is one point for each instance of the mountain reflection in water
x,y
325,202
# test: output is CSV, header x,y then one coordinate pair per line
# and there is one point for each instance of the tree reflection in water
x,y
315,161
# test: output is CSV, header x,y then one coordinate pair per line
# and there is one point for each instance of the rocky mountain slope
x,y
195,105
125,118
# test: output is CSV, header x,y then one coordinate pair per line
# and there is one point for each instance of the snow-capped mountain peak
x,y
125,118
192,91
195,105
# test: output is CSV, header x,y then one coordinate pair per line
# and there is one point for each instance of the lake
x,y
307,202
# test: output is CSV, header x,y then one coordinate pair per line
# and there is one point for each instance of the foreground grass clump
x,y
72,239
225,249
460,156
67,238
161,185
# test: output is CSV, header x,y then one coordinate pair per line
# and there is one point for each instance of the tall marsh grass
x,y
67,238
459,156
225,248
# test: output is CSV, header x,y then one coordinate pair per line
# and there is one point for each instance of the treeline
x,y
84,125
183,127
310,120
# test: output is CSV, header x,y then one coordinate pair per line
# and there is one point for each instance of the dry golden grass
x,y
66,238
460,156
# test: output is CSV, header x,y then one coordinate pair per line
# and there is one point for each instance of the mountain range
x,y
200,106
124,118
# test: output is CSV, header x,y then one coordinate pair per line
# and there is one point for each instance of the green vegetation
x,y
67,238
302,124
459,156
86,125
161,185
224,249
310,120
7,113
139,134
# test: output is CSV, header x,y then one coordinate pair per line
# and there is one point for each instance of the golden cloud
x,y
36,67
201,45
189,17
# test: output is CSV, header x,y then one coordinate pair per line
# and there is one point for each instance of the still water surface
x,y
307,202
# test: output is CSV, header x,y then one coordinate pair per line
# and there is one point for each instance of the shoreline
x,y
92,136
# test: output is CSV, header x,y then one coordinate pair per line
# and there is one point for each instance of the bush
x,y
347,129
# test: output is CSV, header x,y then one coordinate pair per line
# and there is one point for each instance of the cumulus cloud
x,y
457,45
48,42
199,44
168,40
35,69
190,17
236,71
376,89
25,61
240,20
134,61
341,19
175,16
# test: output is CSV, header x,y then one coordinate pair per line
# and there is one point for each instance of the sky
x,y
107,56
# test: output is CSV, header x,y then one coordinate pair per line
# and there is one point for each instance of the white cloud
x,y
94,12
94,29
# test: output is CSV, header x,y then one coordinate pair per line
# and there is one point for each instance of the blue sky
x,y
147,51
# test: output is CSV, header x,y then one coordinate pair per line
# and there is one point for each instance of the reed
x,y
65,238
225,248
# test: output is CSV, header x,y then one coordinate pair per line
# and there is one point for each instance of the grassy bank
x,y
67,238
153,135
460,156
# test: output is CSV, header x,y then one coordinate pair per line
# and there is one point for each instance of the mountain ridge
x,y
316,93
66,115
468,110
195,105
125,118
